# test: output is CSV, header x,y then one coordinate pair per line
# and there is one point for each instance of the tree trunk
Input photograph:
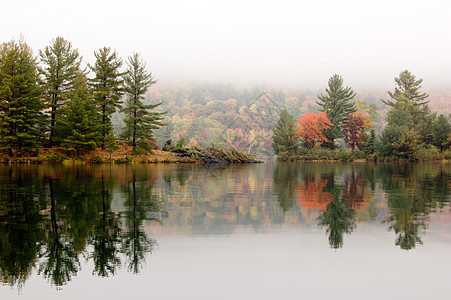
x,y
104,126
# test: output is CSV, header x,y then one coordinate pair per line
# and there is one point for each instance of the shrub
x,y
53,158
427,154
124,160
96,159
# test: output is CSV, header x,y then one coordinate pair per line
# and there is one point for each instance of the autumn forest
x,y
55,99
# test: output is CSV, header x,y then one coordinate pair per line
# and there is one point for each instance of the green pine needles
x,y
21,108
141,119
285,137
107,88
338,104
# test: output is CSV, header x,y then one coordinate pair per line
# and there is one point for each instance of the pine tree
x,y
398,122
370,143
107,85
61,63
20,104
407,96
442,129
285,138
410,123
79,120
338,104
140,120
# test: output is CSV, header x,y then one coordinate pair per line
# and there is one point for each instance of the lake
x,y
260,231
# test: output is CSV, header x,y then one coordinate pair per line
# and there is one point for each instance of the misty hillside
x,y
222,114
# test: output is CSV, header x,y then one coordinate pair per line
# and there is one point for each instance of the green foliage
x,y
96,159
399,121
285,138
338,104
407,144
54,158
370,143
78,121
428,153
107,87
124,160
61,64
329,154
410,124
181,144
442,129
447,154
21,117
140,120
407,96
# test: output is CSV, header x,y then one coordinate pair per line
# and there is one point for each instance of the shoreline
x,y
209,155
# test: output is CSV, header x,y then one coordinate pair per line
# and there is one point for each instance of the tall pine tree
x,y
61,63
107,86
407,96
21,107
338,104
79,121
285,138
140,120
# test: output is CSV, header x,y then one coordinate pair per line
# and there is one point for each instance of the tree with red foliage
x,y
312,127
354,130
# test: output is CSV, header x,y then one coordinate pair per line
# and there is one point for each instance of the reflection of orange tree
x,y
311,194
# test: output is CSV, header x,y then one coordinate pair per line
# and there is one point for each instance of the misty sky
x,y
277,43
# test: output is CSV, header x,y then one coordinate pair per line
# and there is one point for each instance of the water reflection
x,y
53,218
343,193
413,193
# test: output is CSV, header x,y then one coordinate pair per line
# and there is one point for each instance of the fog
x,y
278,43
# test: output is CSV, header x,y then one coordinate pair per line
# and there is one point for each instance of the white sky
x,y
280,42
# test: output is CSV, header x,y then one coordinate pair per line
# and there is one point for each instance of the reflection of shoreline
x,y
67,209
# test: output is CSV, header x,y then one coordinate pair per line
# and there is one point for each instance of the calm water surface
x,y
266,231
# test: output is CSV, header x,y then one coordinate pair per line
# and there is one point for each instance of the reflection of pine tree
x,y
409,202
59,259
20,233
285,184
106,236
406,219
141,205
338,219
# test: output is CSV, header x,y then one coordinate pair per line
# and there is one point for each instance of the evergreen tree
x,y
442,129
370,143
338,104
79,120
399,122
107,86
407,96
61,63
285,138
140,120
20,103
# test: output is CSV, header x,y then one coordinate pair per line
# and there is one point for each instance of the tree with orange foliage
x,y
354,130
312,127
